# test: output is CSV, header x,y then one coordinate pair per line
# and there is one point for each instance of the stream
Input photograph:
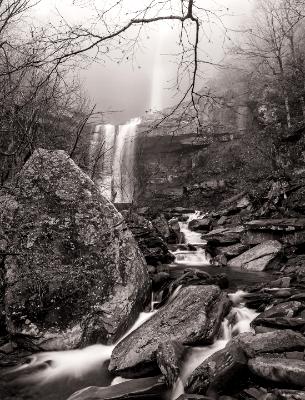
x,y
56,375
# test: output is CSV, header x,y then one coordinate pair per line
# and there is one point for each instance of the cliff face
x,y
176,154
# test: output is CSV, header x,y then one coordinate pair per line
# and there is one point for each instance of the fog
x,y
130,88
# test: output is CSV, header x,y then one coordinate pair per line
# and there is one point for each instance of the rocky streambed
x,y
79,322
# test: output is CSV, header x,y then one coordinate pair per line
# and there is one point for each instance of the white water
x,y
75,364
72,363
187,257
238,321
101,156
191,237
124,162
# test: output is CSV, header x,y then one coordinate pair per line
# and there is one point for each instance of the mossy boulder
x,y
74,274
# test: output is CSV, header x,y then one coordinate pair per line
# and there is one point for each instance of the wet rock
x,y
203,224
255,393
287,230
139,389
175,234
159,280
218,372
291,372
222,220
259,257
258,300
283,282
192,316
284,394
296,323
220,260
223,236
276,315
151,243
192,396
278,341
169,359
243,202
194,277
75,275
233,250
161,225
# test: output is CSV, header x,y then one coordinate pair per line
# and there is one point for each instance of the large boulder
x,y
192,316
218,372
285,371
74,273
169,358
223,236
149,239
203,224
276,315
259,257
278,341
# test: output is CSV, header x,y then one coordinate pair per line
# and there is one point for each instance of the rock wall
x,y
175,154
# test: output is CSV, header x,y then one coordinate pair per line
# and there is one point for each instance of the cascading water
x,y
123,184
101,156
238,321
56,375
193,258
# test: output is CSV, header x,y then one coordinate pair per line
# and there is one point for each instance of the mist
x,y
131,88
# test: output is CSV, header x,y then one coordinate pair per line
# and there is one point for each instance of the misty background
x,y
130,88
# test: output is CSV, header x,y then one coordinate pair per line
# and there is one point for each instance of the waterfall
x,y
101,156
123,178
112,160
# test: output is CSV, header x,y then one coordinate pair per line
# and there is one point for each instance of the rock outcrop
x,y
192,316
149,238
259,257
218,371
142,388
74,274
291,372
290,231
271,356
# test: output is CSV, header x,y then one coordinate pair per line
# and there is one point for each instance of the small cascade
x,y
192,258
123,184
191,237
238,321
101,156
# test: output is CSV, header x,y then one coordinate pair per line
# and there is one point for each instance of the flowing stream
x,y
56,375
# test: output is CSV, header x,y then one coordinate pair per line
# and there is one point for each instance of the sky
x,y
127,89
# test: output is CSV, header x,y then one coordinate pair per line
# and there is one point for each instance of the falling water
x,y
101,156
124,162
238,321
56,375
192,258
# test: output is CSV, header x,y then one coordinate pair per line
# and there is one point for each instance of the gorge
x,y
152,236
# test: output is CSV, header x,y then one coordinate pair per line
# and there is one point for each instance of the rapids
x,y
56,375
